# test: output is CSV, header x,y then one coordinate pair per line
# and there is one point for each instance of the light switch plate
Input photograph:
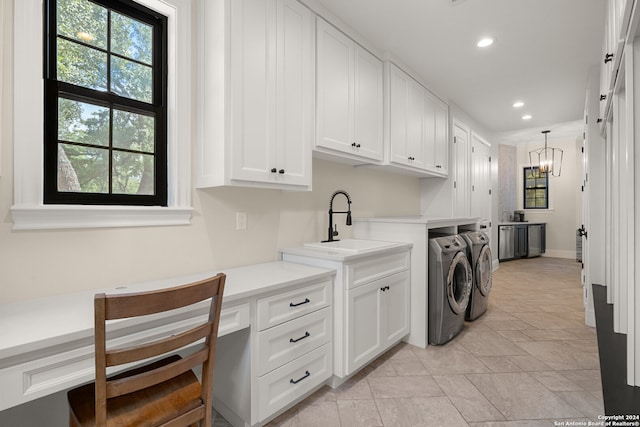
x,y
241,221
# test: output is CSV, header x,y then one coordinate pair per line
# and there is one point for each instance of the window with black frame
x,y
105,103
536,188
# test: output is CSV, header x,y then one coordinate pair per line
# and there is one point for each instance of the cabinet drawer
x,y
285,306
233,319
282,386
366,271
285,342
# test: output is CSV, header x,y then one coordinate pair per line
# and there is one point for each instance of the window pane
x,y
132,173
529,174
82,122
131,38
84,21
83,169
131,80
530,203
133,131
81,65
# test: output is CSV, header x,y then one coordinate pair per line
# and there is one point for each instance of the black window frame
x,y
53,89
525,171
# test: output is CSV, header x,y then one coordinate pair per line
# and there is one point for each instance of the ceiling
x,y
542,52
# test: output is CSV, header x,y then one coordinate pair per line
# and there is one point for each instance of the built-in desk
x,y
46,345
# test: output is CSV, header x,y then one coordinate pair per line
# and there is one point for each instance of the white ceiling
x,y
542,54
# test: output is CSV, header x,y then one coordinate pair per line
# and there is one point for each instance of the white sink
x,y
352,246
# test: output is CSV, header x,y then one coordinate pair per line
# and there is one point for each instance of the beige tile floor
x,y
529,361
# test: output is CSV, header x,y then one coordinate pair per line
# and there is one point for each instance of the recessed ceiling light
x,y
527,117
518,104
487,41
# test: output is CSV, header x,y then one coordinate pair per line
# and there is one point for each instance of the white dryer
x,y
479,254
450,281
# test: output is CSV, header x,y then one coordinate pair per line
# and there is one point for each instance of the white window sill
x,y
51,217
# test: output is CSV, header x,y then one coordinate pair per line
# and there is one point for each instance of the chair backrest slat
x,y
147,350
120,306
147,379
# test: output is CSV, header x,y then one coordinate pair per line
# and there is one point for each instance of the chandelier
x,y
548,159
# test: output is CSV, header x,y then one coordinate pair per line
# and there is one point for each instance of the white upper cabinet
x,y
460,169
480,178
441,155
349,97
405,144
256,121
418,135
617,24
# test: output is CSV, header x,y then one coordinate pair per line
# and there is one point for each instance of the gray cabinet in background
x,y
518,240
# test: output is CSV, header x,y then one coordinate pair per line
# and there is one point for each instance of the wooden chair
x,y
165,392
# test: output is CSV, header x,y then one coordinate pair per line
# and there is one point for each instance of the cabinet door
x,y
441,137
363,339
480,179
429,126
395,308
294,93
416,150
334,85
367,126
406,110
252,157
398,115
520,241
460,167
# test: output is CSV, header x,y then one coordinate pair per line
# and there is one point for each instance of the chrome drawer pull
x,y
306,375
306,300
306,335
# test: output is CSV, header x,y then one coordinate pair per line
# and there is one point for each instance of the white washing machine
x,y
450,281
479,255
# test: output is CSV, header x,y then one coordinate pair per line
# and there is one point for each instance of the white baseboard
x,y
555,253
590,317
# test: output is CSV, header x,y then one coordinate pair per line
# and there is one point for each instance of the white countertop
x,y
341,256
430,221
521,223
44,322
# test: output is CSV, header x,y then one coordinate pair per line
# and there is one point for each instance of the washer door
x,y
484,273
459,282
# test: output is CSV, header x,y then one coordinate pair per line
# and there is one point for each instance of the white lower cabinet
x,y
371,305
286,384
283,343
294,333
377,316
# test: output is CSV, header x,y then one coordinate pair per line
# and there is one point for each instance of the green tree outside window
x,y
105,88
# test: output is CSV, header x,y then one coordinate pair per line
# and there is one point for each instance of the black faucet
x,y
334,232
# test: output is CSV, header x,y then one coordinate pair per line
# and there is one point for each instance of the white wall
x,y
565,200
40,263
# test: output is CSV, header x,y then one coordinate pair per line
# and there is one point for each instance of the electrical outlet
x,y
241,221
